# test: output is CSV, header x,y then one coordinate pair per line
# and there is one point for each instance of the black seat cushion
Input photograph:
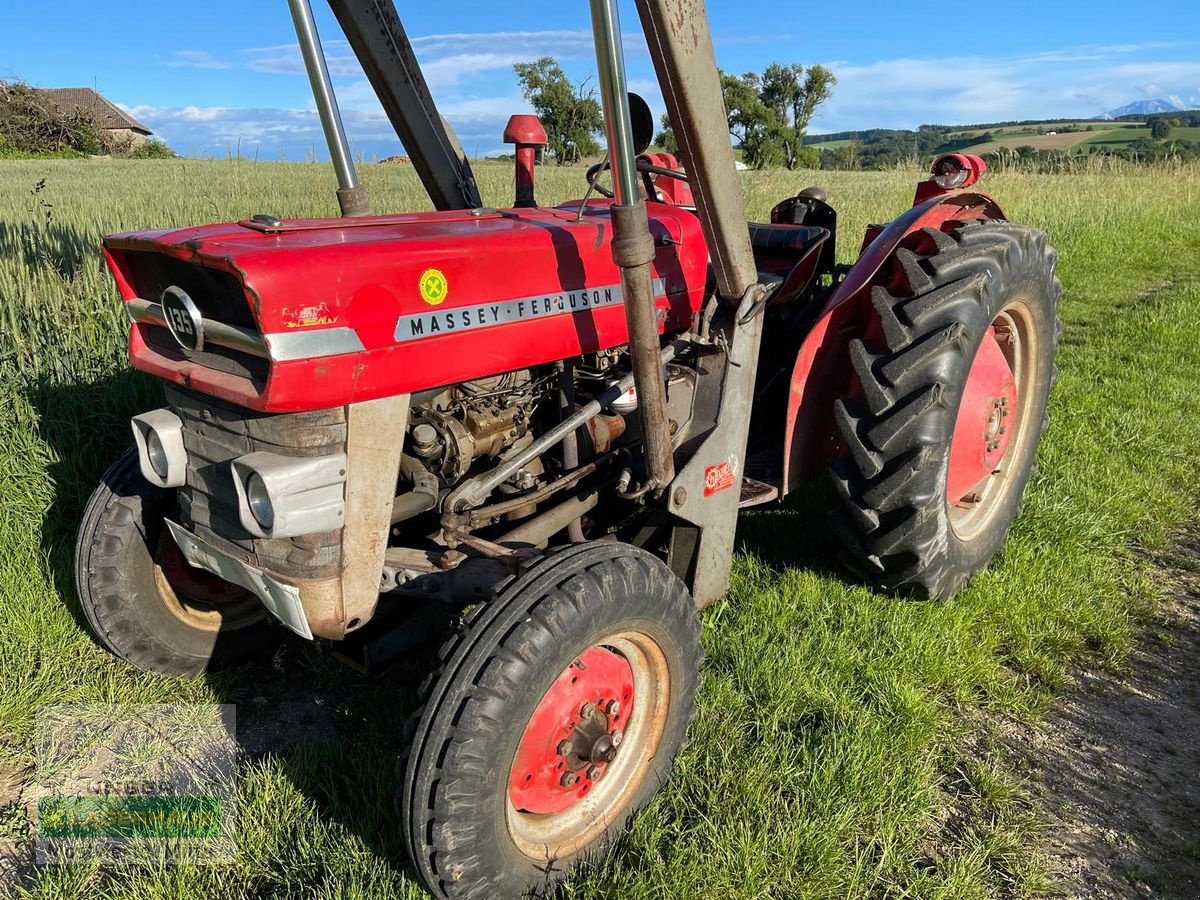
x,y
785,238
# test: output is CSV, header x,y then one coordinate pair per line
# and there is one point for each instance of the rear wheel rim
x,y
993,426
633,671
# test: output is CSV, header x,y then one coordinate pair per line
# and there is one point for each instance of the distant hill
x,y
1129,135
1144,108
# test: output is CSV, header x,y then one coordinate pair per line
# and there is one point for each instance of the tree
x,y
1160,129
769,113
569,113
846,156
665,139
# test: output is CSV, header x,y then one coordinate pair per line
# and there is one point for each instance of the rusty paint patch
x,y
306,316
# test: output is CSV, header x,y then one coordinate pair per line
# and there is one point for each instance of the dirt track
x,y
1115,765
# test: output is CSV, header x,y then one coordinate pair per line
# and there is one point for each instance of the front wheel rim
x,y
558,827
199,599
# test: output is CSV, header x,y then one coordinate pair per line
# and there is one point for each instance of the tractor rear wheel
x,y
142,599
955,376
556,715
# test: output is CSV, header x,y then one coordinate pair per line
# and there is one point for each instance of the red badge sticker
x,y
718,478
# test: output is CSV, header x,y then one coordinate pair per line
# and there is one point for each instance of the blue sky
x,y
203,76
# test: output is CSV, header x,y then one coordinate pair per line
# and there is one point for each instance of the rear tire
x,y
484,814
122,557
946,294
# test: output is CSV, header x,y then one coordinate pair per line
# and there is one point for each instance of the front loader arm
x,y
707,489
378,39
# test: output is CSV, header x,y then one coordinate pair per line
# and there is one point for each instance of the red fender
x,y
822,372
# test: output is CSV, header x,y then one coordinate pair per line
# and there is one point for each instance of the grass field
x,y
1120,135
842,747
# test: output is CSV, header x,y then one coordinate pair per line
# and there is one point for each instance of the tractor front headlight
x,y
259,501
161,455
286,496
156,453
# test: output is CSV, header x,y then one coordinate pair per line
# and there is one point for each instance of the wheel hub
x,y
574,734
981,432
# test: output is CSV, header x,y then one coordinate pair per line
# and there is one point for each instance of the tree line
x,y
769,113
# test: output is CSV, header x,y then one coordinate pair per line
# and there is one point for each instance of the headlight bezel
x,y
166,430
304,495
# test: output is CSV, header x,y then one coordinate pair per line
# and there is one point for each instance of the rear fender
x,y
822,372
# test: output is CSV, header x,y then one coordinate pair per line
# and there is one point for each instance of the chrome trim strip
x,y
484,315
232,336
286,345
282,600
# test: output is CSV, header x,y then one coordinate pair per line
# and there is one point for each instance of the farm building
x,y
115,125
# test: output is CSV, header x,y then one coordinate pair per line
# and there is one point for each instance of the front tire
x,y
955,378
143,601
556,716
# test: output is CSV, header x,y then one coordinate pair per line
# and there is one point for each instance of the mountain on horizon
x,y
1143,108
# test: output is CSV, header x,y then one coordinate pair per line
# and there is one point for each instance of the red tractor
x,y
535,427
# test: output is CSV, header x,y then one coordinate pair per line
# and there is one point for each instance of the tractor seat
x,y
787,255
790,239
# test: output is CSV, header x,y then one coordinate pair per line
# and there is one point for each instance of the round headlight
x,y
156,453
259,501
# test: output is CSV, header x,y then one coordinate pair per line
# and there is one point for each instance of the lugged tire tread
x,y
113,521
540,605
890,524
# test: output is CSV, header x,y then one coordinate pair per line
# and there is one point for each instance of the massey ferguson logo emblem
x,y
183,318
502,312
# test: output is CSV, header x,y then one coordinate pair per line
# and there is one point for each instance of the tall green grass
x,y
841,748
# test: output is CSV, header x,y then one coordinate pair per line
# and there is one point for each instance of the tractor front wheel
x,y
954,378
142,599
556,716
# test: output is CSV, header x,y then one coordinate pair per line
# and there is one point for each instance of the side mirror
x,y
642,121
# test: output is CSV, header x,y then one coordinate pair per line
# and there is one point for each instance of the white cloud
x,y
1084,81
195,59
471,79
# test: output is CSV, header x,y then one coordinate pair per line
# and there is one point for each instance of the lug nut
x,y
568,779
617,737
613,707
594,772
588,709
565,748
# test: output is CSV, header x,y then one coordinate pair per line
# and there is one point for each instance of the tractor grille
x,y
214,433
217,294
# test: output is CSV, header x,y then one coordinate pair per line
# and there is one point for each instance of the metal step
x,y
756,493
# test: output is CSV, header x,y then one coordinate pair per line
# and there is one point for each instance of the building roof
x,y
104,113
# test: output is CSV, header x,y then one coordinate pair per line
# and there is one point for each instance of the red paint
x,y
364,273
718,478
527,133
675,191
535,780
973,166
982,430
822,371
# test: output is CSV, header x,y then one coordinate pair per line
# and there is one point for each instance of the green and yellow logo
x,y
434,286
129,817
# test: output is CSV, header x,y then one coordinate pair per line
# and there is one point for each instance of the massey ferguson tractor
x,y
532,428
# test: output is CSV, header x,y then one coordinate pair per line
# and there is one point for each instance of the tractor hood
x,y
312,313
